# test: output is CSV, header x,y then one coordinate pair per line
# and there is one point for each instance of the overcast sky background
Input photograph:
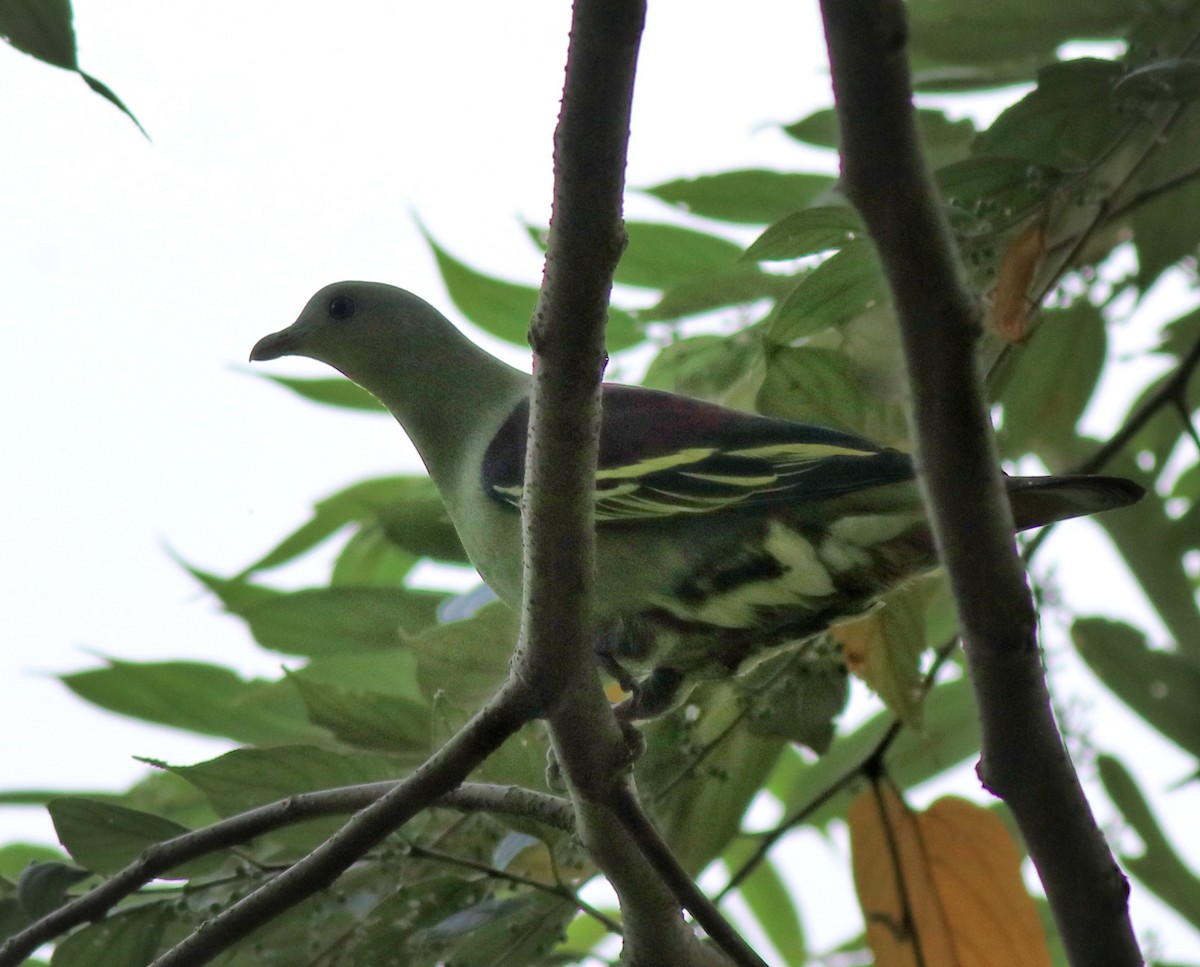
x,y
292,146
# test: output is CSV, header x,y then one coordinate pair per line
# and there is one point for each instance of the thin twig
x,y
638,825
872,762
442,772
558,889
158,859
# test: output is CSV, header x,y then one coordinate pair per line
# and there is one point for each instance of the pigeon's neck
x,y
445,398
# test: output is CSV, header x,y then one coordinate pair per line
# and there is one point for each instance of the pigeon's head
x,y
351,325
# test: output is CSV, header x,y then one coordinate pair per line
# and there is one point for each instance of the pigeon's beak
x,y
273,346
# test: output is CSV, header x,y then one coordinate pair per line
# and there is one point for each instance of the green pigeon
x,y
719,533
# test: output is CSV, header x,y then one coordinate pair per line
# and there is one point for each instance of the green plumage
x,y
719,533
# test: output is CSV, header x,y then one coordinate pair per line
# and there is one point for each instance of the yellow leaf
x,y
1010,305
956,870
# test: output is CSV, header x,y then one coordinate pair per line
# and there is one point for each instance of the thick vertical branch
x,y
1024,759
556,660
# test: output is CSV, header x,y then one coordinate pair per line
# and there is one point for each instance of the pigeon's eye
x,y
341,307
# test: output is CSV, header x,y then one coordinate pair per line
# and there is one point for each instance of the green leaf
x,y
1159,867
660,256
1068,120
949,734
701,775
14,857
754,197
806,232
330,392
42,887
409,509
796,695
511,930
1005,41
812,385
131,939
105,837
713,368
1053,379
770,903
463,662
368,719
734,287
109,95
1143,533
342,620
1161,686
42,29
495,306
987,192
1163,226
945,141
841,288
193,696
505,308
246,778
369,558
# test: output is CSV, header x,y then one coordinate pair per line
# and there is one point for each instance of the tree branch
x,y
161,857
442,772
556,658
1024,759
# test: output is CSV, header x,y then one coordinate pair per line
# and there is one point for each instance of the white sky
x,y
292,145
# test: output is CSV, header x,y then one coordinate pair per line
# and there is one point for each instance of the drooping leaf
x,y
1004,43
698,799
45,29
330,621
1159,866
955,870
726,370
370,558
196,697
987,193
1161,686
812,385
515,929
797,695
735,287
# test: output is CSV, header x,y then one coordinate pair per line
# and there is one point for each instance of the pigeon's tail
x,y
1037,501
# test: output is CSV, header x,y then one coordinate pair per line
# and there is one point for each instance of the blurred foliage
x,y
1095,163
